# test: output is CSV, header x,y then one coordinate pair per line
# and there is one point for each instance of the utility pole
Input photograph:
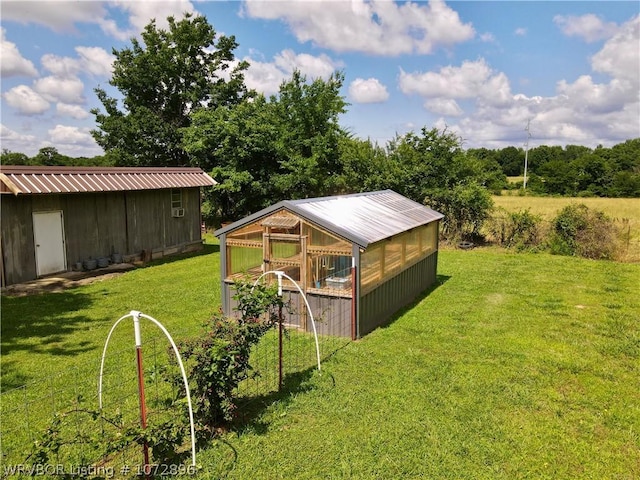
x,y
526,154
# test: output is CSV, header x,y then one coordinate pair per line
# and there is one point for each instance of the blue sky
x,y
481,69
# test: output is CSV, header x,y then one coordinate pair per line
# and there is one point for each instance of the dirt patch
x,y
64,281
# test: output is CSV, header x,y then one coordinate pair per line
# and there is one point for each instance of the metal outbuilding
x,y
358,258
56,219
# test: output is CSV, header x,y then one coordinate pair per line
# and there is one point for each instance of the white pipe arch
x,y
281,274
136,317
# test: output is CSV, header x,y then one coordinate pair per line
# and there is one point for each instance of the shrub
x,y
580,231
519,230
465,208
218,360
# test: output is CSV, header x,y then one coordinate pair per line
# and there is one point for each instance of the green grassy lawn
x,y
514,366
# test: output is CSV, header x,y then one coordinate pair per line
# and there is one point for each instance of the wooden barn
x,y
358,258
56,219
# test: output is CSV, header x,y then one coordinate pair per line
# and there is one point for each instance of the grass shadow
x,y
251,408
440,280
207,249
41,324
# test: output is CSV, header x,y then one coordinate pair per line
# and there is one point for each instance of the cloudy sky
x,y
483,69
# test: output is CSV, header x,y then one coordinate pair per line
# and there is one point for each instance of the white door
x,y
48,233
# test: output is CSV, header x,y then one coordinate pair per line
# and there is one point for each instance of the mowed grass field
x,y
624,211
513,366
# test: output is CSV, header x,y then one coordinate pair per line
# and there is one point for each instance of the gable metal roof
x,y
361,218
30,180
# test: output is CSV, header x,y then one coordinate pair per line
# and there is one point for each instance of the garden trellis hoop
x,y
138,341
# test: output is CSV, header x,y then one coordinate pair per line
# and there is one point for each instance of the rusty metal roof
x,y
30,180
361,218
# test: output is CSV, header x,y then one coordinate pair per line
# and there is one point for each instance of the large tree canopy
x,y
264,150
161,81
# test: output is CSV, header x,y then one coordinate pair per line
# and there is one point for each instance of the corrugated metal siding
x,y
332,315
98,225
18,179
377,306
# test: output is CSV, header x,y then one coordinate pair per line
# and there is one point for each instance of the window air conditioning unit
x,y
177,212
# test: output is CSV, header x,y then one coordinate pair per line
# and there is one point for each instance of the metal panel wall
x,y
97,224
377,306
18,249
332,315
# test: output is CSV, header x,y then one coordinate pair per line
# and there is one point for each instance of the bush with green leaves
x,y
218,360
584,232
465,208
519,230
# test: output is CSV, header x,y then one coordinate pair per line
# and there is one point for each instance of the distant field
x,y
625,211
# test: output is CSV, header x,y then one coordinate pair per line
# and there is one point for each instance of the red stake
x,y
143,404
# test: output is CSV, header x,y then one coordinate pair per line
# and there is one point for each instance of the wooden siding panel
x,y
18,250
180,230
80,227
111,223
147,214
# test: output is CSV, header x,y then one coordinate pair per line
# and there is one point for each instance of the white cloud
x,y
26,101
13,63
368,91
140,13
488,37
59,66
13,140
589,27
263,77
62,16
67,90
62,134
582,111
314,67
444,106
91,60
95,60
620,56
470,80
266,77
73,141
59,16
376,27
521,32
73,111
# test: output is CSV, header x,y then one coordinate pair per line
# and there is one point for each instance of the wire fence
x,y
85,444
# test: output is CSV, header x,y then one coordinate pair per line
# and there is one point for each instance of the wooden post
x,y
266,249
354,290
303,277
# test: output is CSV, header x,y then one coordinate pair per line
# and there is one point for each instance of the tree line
x,y
184,102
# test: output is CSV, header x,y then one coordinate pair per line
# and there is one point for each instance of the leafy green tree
x,y
161,81
593,175
363,165
572,152
264,150
310,132
432,168
50,156
465,208
7,157
238,145
539,156
511,159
